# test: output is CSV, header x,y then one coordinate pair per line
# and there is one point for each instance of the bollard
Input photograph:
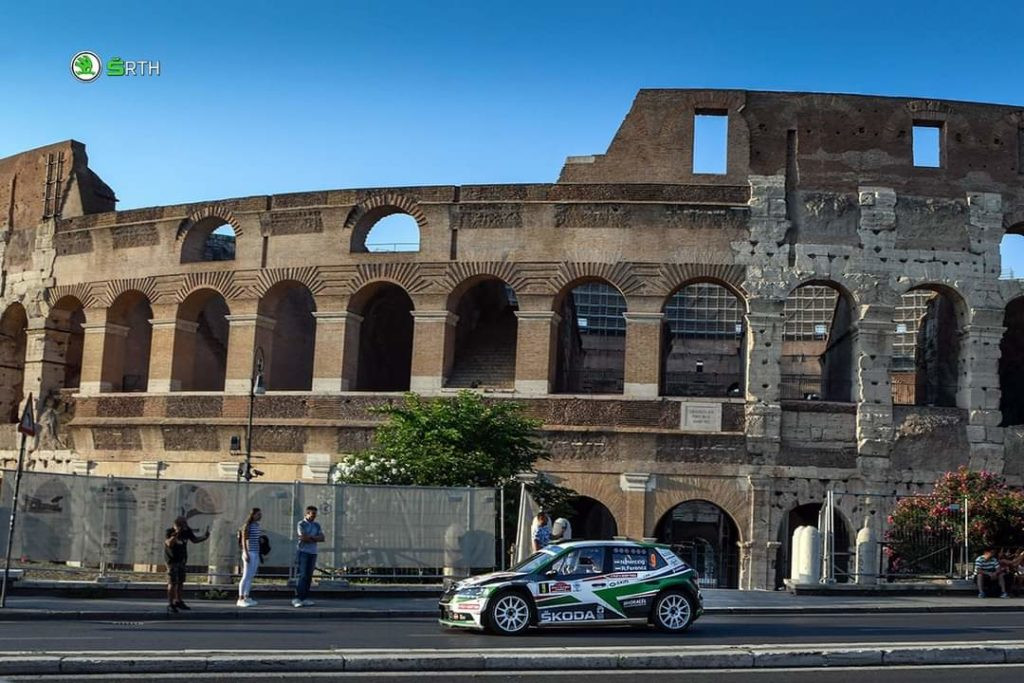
x,y
807,555
867,556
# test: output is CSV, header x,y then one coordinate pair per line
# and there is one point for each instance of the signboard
x,y
701,417
27,426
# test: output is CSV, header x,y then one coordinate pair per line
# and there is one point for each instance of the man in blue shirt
x,y
986,568
309,533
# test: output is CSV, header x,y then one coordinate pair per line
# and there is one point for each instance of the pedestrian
x,y
561,531
176,559
309,533
541,531
249,543
986,568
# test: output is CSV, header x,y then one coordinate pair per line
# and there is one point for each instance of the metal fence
x,y
116,523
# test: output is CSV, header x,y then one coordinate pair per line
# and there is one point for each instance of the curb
x,y
19,614
369,661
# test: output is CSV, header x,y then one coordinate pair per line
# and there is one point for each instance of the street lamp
x,y
256,388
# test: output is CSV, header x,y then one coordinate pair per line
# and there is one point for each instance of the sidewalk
x,y
277,606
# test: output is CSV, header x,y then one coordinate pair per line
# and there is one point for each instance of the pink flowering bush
x,y
926,531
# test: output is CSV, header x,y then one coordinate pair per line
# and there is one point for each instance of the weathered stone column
x,y
433,348
643,354
755,561
336,354
635,486
764,324
103,352
536,346
873,387
979,393
247,332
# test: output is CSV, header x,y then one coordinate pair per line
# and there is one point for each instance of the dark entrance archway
x,y
809,514
1011,365
706,537
485,336
591,520
385,340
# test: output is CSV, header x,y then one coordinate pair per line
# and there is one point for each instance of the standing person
x,y
249,542
309,533
561,530
541,531
176,559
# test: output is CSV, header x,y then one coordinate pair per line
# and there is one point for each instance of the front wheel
x,y
508,614
672,612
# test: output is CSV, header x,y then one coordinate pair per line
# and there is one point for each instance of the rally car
x,y
582,582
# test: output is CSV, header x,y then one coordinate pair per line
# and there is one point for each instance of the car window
x,y
580,562
633,559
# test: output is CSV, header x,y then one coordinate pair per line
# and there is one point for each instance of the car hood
x,y
488,579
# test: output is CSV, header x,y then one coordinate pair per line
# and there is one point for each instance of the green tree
x,y
461,440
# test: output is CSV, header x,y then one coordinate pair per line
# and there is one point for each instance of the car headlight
x,y
472,592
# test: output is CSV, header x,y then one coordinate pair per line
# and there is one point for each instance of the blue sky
x,y
260,97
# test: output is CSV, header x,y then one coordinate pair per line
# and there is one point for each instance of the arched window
x,y
13,327
210,239
384,355
485,335
817,345
126,367
386,229
64,330
926,348
705,536
591,353
703,342
290,356
200,353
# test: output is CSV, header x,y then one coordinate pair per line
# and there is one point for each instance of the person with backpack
x,y
249,541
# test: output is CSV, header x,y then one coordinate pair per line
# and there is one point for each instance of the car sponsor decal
x,y
467,607
555,587
582,613
635,602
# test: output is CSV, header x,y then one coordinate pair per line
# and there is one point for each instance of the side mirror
x,y
551,572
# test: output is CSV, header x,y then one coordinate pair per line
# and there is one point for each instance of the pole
x,y
14,514
967,547
501,518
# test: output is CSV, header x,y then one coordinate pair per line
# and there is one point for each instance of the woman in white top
x,y
251,533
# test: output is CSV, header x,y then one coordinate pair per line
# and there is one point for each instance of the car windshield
x,y
533,562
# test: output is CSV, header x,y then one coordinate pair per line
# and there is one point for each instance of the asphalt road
x,y
325,634
917,674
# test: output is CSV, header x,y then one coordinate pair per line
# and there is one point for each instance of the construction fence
x,y
117,523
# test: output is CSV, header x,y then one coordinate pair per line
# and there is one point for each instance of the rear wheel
x,y
508,614
672,612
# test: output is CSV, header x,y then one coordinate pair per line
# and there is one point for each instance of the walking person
x,y
176,559
309,533
249,543
541,531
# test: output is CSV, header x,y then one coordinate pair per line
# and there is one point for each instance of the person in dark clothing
x,y
176,559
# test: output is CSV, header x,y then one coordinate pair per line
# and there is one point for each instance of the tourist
x,y
176,559
541,531
249,543
986,569
309,533
561,531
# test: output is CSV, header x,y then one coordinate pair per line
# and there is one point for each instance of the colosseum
x,y
709,352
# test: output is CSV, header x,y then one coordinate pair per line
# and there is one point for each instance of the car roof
x,y
629,543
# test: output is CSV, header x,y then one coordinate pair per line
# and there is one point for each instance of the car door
x,y
566,592
631,569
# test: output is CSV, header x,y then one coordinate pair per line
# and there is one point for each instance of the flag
x,y
28,420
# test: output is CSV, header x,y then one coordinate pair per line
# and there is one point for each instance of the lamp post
x,y
256,388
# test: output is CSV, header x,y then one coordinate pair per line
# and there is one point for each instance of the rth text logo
x,y
86,67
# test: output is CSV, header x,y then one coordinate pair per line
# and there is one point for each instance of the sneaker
x,y
981,595
246,602
172,608
308,603
181,605
297,603
1005,595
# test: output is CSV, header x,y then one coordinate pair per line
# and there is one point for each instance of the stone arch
x,y
706,537
817,361
1011,364
65,332
381,358
126,366
808,514
592,520
13,343
486,329
926,359
288,353
591,339
1011,252
365,215
201,342
208,235
703,332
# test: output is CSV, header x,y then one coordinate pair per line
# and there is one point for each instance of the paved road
x,y
271,634
919,674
